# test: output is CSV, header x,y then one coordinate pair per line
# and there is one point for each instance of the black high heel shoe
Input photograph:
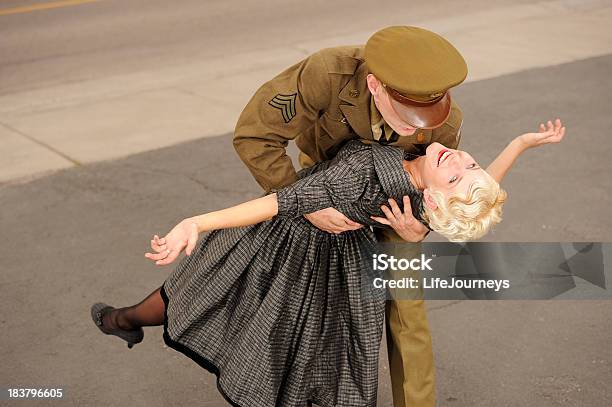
x,y
132,337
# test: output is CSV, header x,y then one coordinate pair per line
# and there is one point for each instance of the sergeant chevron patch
x,y
286,104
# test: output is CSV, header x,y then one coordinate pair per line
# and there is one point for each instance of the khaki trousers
x,y
409,346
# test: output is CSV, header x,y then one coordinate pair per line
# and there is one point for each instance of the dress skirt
x,y
281,313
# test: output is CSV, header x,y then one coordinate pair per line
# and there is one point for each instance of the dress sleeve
x,y
337,185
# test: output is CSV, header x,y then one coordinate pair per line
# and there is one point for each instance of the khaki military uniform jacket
x,y
320,102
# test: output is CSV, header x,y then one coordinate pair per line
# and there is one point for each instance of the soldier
x,y
395,90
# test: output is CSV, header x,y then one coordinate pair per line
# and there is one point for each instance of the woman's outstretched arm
x,y
185,234
244,214
552,133
504,161
323,189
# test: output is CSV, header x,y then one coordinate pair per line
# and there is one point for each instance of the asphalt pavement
x,y
78,236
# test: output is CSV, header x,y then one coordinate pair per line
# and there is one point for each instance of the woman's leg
x,y
148,312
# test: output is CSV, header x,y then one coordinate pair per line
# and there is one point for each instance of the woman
x,y
274,306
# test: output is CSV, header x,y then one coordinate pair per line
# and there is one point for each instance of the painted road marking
x,y
44,6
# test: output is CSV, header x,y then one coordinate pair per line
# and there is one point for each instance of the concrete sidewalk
x,y
75,123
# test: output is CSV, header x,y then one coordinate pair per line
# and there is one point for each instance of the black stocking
x,y
148,312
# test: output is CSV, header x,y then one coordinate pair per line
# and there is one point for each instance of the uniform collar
x,y
355,106
376,118
395,181
381,131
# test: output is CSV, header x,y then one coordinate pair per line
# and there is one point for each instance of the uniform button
x,y
420,138
354,93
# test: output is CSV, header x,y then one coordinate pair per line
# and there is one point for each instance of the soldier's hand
x,y
405,224
331,220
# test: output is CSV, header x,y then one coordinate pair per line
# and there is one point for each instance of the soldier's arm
x,y
278,112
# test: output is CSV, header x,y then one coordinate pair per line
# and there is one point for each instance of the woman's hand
x,y
167,249
551,133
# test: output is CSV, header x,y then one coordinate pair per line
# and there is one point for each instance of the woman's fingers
x,y
550,125
169,259
158,244
546,134
158,256
171,255
559,136
555,128
556,134
157,247
551,132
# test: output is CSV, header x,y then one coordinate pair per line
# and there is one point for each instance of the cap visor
x,y
424,117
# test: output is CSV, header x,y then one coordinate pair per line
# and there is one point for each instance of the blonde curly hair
x,y
461,218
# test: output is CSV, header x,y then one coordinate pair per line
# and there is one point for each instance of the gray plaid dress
x,y
277,310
